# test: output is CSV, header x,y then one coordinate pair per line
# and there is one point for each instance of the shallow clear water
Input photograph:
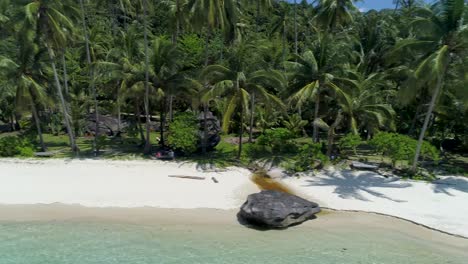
x,y
105,243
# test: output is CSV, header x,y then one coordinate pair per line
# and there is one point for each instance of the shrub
x,y
278,139
350,142
402,148
183,133
309,155
13,146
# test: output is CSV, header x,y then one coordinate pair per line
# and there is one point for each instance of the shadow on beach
x,y
449,184
348,184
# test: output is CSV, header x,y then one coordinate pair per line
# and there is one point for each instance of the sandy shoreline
x,y
112,185
108,183
439,206
200,219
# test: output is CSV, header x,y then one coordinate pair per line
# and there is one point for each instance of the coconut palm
x,y
29,91
92,83
209,15
241,87
53,27
308,72
332,14
177,9
440,39
259,5
282,23
363,101
167,80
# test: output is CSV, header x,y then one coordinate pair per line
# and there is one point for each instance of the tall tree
x,y
309,72
332,14
147,149
52,27
209,15
442,36
91,81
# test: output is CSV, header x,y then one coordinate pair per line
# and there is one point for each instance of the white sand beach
x,y
105,183
442,206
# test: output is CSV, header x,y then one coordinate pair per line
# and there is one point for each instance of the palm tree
x,y
91,77
256,84
332,14
28,90
281,24
165,65
441,39
241,87
259,5
147,149
363,101
177,9
229,82
308,73
53,25
209,15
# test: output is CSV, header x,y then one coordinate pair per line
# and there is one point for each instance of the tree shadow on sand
x,y
446,185
348,185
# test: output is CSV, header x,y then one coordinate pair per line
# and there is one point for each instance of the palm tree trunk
x,y
38,126
205,105
426,123
252,113
91,80
147,149
295,28
162,122
415,119
119,114
316,114
331,133
241,133
205,128
299,112
171,108
138,122
63,104
65,74
284,41
257,18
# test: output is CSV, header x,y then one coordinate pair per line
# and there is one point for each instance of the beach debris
x,y
274,209
214,180
187,177
363,166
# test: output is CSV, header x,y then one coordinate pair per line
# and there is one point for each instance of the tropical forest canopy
x,y
314,70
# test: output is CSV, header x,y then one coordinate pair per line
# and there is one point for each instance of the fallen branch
x,y
187,177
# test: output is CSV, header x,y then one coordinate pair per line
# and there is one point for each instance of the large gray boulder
x,y
214,130
107,125
275,209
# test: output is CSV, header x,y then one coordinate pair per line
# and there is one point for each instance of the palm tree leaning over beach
x,y
53,27
441,37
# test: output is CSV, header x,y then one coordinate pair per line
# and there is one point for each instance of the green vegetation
x,y
183,133
14,146
291,83
401,148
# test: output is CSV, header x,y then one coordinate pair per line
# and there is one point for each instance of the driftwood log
x,y
187,177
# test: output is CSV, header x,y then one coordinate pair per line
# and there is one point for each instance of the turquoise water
x,y
105,243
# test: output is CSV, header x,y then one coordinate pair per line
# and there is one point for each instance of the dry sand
x,y
442,206
135,184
